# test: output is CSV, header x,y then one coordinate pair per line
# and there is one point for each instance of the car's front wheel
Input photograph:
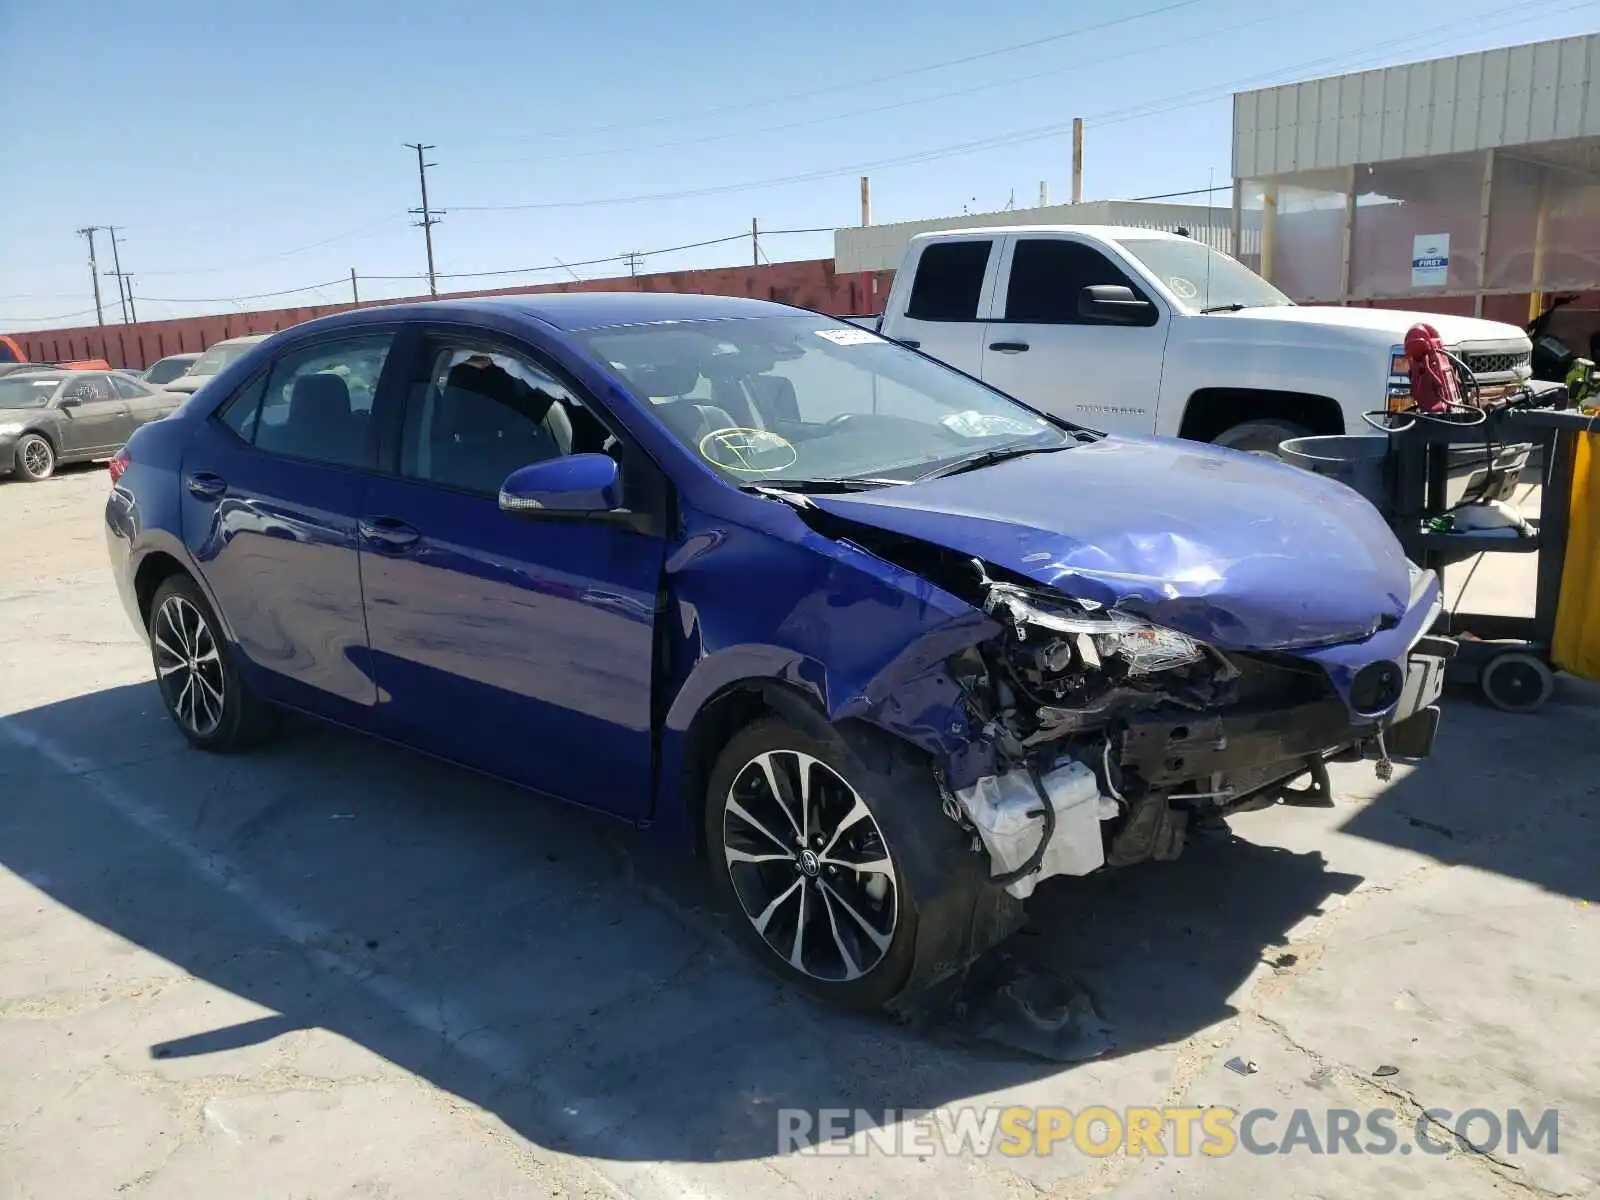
x,y
838,868
1260,437
35,457
203,691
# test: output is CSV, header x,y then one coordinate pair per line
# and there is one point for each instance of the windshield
x,y
1200,278
167,370
219,356
27,391
807,398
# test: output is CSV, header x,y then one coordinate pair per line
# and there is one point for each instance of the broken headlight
x,y
1143,648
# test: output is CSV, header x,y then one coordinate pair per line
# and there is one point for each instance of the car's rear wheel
x,y
1260,437
35,457
204,694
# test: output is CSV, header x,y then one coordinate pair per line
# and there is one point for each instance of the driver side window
x,y
478,414
1049,274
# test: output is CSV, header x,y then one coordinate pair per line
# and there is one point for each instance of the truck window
x,y
1047,274
949,281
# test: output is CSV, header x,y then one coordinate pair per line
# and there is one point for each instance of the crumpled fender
x,y
866,640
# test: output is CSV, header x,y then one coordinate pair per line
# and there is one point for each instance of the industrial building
x,y
1468,184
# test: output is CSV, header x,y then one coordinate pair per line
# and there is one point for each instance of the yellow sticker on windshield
x,y
748,451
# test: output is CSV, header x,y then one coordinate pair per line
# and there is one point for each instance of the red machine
x,y
1435,386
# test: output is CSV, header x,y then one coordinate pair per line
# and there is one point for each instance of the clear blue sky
x,y
248,149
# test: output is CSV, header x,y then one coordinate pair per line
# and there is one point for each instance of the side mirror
x,y
68,402
1113,302
576,483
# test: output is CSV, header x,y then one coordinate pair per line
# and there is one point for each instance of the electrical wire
x,y
310,287
846,85
856,114
1149,108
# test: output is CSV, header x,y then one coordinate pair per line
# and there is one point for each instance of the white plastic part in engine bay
x,y
998,806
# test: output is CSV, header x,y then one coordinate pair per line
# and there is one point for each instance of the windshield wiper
x,y
988,459
1216,308
815,486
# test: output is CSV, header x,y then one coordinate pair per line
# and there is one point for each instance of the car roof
x,y
573,311
244,339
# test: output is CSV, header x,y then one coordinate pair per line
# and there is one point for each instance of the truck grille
x,y
1497,364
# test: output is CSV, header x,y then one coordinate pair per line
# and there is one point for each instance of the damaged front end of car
x,y
1108,736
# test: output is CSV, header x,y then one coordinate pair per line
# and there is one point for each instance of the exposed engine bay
x,y
1114,734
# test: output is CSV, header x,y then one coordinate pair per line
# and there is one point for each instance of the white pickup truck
x,y
1136,331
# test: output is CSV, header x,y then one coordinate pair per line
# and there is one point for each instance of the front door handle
x,y
914,343
389,533
203,485
1009,347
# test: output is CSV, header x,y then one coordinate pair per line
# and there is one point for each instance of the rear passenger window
x,y
318,402
949,281
240,411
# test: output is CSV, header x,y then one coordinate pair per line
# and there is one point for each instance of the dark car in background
x,y
50,417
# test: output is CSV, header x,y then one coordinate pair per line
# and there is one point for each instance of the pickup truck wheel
x,y
800,857
1260,437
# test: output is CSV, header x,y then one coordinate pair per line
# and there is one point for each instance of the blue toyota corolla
x,y
883,644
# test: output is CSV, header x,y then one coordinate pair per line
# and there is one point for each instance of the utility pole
x,y
755,244
354,293
633,259
116,261
89,231
430,218
129,312
1077,160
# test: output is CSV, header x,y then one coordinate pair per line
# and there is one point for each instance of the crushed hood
x,y
1240,551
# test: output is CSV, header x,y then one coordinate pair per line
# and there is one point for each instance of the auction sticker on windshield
x,y
848,337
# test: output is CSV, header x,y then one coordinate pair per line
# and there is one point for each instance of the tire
x,y
35,458
1516,682
859,932
1260,437
201,687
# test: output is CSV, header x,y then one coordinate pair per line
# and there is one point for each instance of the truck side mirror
x,y
1114,302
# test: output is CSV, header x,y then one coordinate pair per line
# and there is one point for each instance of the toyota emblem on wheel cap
x,y
810,864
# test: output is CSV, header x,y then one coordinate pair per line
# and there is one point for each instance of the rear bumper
x,y
119,550
8,455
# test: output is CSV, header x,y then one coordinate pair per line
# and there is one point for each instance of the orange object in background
x,y
10,352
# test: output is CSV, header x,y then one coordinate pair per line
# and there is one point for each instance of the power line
x,y
310,287
906,73
347,235
1016,137
855,114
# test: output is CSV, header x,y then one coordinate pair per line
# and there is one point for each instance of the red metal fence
x,y
812,284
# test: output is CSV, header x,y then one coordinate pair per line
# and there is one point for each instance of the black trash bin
x,y
1358,461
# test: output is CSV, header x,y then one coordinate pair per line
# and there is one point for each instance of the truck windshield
x,y
807,400
1199,278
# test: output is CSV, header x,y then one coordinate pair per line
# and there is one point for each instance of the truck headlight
x,y
1398,396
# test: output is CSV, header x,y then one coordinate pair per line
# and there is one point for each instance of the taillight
x,y
119,463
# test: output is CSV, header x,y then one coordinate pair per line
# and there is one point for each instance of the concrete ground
x,y
335,969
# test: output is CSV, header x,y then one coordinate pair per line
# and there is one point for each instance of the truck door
x,y
949,284
1049,349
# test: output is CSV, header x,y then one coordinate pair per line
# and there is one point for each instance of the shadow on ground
x,y
1518,795
552,967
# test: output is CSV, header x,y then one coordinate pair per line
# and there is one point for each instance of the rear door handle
x,y
390,533
1009,347
203,485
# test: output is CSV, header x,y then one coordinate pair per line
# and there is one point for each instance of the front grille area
x,y
1496,364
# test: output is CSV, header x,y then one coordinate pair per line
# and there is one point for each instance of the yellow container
x,y
1577,636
